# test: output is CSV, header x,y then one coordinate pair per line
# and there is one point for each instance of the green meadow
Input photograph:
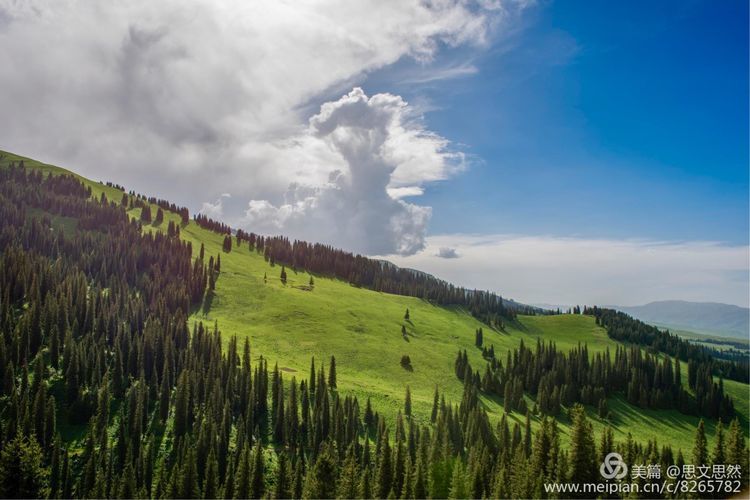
x,y
289,324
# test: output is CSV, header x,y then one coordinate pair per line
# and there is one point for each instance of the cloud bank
x,y
557,270
192,99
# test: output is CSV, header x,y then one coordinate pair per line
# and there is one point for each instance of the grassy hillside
x,y
362,328
289,324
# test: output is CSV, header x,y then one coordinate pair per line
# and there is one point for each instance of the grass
x,y
289,324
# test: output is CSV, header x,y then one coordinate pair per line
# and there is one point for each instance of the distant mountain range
x,y
700,317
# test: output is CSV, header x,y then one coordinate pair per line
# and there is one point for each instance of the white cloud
x,y
447,253
214,210
189,99
443,73
376,151
403,192
554,270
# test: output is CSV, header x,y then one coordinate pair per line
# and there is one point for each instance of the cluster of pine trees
x,y
167,206
164,204
555,378
207,223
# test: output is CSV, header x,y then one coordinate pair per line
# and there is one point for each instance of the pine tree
x,y
164,393
527,435
418,480
282,487
350,475
230,476
332,374
242,476
321,478
369,418
50,423
283,275
406,315
279,426
65,481
181,406
440,474
501,489
700,448
54,348
582,448
364,490
719,455
21,471
458,481
211,477
384,476
508,397
257,484
227,245
540,454
146,219
292,431
407,489
311,379
298,481
54,485
398,458
188,481
736,452
435,402
127,484
40,405
407,402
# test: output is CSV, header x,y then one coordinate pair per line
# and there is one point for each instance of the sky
x,y
555,152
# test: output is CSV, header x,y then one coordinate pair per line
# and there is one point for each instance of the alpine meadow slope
x,y
290,323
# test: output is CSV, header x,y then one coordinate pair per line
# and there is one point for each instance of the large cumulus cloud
x,y
377,153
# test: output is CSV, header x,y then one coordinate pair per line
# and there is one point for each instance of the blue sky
x,y
596,119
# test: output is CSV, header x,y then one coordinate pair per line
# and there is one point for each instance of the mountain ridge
x,y
716,318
